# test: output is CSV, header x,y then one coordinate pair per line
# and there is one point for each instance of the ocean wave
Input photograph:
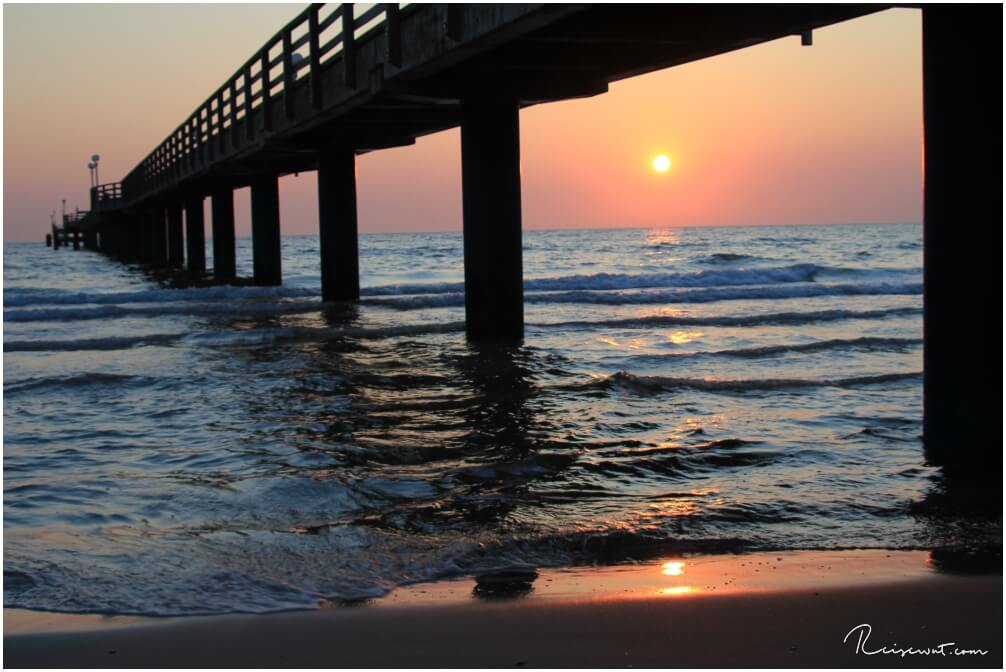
x,y
649,385
235,339
703,295
79,380
107,343
51,297
114,311
712,278
254,337
757,320
758,276
266,336
862,343
725,258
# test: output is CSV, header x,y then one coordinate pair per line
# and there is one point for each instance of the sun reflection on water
x,y
662,237
682,337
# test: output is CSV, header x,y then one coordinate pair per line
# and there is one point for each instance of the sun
x,y
661,163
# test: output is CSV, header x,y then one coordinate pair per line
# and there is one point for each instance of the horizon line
x,y
582,228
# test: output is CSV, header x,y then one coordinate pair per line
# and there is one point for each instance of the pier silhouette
x,y
336,82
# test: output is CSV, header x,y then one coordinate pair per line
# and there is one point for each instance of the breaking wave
x,y
703,295
647,385
757,352
58,297
712,278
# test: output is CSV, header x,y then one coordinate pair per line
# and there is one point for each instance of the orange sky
x,y
774,134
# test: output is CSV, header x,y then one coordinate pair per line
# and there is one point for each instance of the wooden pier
x,y
336,82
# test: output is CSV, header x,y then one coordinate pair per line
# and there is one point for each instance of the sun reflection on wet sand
x,y
708,575
678,590
676,568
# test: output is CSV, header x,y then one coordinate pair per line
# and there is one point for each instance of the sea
x,y
206,450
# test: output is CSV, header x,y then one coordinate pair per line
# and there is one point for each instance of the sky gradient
x,y
773,134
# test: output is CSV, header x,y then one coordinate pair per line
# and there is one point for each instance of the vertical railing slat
x,y
173,156
221,136
249,126
196,139
211,146
186,148
234,114
454,17
266,94
289,76
393,34
314,46
348,45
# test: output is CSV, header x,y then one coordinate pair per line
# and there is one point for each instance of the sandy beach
x,y
758,610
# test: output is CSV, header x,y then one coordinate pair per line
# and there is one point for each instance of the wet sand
x,y
779,610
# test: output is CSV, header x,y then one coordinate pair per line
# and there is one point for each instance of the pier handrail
x,y
105,196
213,126
74,217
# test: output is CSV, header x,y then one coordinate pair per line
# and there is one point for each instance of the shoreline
x,y
787,609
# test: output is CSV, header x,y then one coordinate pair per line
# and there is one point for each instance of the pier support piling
x,y
222,211
340,266
267,257
962,106
490,174
176,239
137,234
157,230
195,234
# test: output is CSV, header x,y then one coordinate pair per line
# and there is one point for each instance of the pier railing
x,y
74,218
106,196
224,121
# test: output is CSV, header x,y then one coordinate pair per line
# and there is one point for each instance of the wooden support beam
x,y
157,231
195,234
962,114
176,238
266,250
222,211
340,275
490,171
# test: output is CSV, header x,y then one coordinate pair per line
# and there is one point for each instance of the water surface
x,y
234,449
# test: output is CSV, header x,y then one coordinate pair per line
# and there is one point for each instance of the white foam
x,y
49,297
701,295
116,311
712,278
646,385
